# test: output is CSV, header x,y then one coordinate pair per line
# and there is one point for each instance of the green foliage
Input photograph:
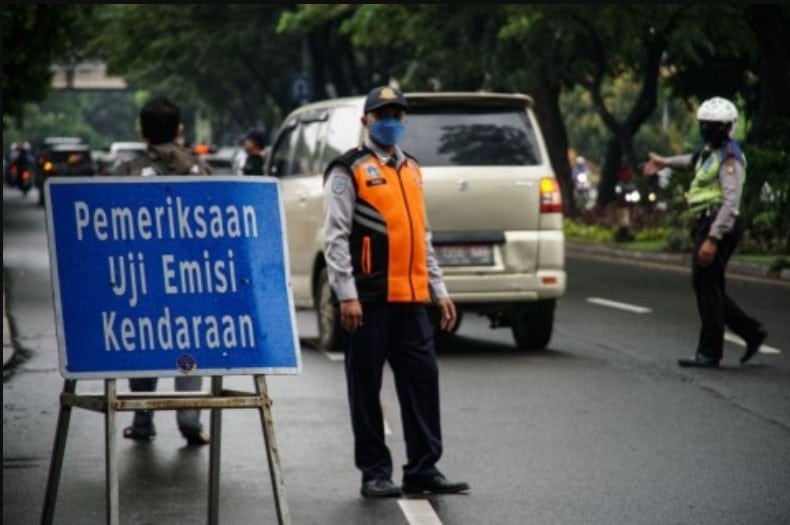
x,y
34,37
100,118
225,60
588,135
766,208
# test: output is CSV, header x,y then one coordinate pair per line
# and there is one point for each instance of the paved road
x,y
601,428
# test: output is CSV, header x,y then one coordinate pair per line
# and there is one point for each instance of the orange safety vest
x,y
387,240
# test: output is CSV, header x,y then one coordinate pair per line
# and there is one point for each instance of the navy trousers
x,y
401,334
188,419
716,308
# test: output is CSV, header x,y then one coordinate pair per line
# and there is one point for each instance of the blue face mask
x,y
387,131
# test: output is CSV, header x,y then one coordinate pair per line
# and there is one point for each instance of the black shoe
x,y
380,488
754,346
139,433
196,438
699,361
438,484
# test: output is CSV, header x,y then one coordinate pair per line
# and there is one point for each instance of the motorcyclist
x,y
581,180
20,168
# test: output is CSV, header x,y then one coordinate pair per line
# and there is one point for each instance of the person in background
x,y
160,122
714,197
254,142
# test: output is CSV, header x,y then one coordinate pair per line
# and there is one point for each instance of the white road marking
x,y
764,349
620,306
334,356
419,512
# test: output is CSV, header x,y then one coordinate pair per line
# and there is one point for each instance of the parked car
x,y
63,160
491,195
221,159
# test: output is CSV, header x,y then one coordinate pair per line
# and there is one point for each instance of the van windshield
x,y
466,136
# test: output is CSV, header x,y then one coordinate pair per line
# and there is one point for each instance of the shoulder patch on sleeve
x,y
339,185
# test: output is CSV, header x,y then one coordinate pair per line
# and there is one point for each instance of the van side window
x,y
282,152
344,132
307,146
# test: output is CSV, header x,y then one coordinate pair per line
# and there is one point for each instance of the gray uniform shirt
x,y
338,216
731,178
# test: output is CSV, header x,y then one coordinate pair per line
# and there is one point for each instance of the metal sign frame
x,y
218,399
110,403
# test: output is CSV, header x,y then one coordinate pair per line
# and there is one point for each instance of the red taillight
x,y
550,197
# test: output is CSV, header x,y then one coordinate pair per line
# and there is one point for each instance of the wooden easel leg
x,y
110,454
272,453
58,449
214,454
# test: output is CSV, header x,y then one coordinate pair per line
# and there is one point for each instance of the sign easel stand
x,y
111,403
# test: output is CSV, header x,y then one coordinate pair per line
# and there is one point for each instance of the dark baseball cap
x,y
384,96
256,135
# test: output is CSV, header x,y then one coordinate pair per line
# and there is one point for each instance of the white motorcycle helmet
x,y
718,109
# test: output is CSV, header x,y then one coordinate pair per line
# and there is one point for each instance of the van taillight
x,y
550,197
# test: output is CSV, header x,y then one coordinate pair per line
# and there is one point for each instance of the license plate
x,y
465,254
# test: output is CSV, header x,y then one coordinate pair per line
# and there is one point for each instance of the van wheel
x,y
533,324
329,329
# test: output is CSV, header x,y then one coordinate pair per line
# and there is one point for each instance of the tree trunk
x,y
623,134
770,25
547,111
611,165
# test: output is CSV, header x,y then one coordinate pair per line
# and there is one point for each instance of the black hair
x,y
256,135
159,120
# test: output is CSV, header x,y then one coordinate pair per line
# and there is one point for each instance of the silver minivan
x,y
491,196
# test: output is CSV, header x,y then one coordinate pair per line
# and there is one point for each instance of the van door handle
x,y
302,198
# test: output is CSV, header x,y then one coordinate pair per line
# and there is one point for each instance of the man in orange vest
x,y
383,271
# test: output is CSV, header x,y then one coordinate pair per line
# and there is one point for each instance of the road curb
x,y
675,259
8,344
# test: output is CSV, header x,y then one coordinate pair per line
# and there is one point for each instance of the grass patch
x,y
760,258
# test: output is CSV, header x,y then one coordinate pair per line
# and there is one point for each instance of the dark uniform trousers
x,y
716,308
402,334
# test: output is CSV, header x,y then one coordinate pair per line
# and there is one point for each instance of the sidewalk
x,y
674,259
8,347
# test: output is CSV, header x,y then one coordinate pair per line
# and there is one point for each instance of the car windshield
x,y
466,136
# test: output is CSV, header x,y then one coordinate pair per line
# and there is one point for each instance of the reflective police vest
x,y
387,240
705,190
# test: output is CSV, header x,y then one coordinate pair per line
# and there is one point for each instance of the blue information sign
x,y
170,275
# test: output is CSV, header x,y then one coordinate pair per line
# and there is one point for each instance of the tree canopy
x,y
236,63
35,36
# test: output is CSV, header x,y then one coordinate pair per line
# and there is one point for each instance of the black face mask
x,y
714,133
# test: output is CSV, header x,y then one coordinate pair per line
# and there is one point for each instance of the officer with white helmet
x,y
713,198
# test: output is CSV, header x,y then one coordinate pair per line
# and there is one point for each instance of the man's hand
x,y
655,162
707,252
350,315
449,315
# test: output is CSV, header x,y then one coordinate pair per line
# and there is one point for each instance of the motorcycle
x,y
25,180
20,175
20,172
